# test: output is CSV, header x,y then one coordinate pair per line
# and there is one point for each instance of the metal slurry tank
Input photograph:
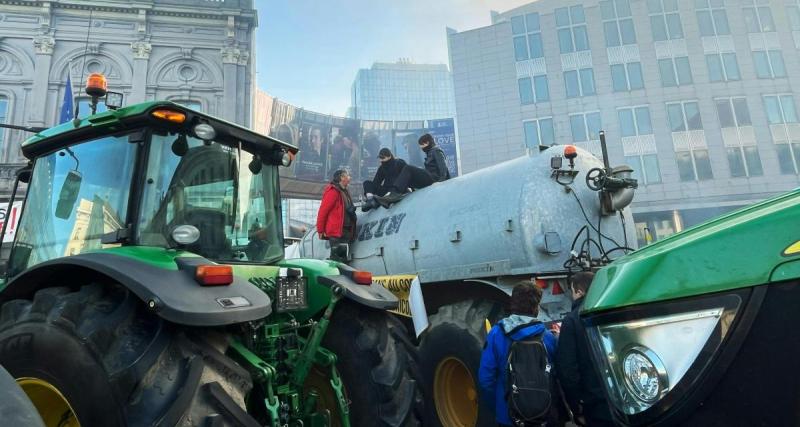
x,y
509,219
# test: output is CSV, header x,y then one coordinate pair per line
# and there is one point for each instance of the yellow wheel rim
x,y
454,394
53,407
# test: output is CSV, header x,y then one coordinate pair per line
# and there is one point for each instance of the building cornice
x,y
194,11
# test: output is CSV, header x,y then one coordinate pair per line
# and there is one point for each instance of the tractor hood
x,y
748,247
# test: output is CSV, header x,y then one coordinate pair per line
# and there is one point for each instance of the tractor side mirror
x,y
68,194
24,174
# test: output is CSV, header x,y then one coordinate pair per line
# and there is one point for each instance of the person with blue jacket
x,y
520,325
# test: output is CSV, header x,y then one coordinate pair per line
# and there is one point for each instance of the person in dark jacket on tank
x,y
336,219
384,180
435,160
416,178
580,381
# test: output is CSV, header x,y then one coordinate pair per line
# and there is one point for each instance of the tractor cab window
x,y
213,188
76,195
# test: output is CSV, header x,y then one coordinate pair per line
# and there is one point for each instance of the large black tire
x,y
449,356
374,365
117,364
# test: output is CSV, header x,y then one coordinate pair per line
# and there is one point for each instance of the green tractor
x,y
146,285
699,328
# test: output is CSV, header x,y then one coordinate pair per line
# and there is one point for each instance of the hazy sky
x,y
308,51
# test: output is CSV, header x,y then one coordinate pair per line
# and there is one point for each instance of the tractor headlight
x,y
645,354
185,234
205,132
644,373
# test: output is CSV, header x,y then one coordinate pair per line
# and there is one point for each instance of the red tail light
x,y
541,283
557,288
214,275
362,277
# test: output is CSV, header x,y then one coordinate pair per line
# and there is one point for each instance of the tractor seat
x,y
213,242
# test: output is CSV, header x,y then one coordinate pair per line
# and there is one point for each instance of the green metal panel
x,y
736,250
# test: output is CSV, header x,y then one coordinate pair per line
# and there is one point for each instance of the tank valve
x,y
615,185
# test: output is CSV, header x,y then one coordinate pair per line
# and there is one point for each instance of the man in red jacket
x,y
336,219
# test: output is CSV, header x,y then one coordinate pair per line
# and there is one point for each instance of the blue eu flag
x,y
67,107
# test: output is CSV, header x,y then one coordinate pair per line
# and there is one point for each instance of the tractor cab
x,y
157,175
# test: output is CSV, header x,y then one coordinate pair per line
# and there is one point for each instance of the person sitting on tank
x,y
416,178
384,180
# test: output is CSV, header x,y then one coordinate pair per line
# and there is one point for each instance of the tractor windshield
x,y
76,195
230,198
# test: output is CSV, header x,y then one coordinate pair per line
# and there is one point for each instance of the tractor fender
x,y
174,295
372,295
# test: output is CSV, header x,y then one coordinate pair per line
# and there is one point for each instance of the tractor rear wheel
x,y
97,357
374,366
449,356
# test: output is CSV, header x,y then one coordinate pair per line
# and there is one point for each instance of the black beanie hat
x,y
385,152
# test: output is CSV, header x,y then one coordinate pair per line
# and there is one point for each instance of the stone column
x,y
43,46
141,57
230,65
245,98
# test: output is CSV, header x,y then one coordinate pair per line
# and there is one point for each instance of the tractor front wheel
x,y
98,357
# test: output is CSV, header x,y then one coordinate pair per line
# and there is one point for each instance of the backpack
x,y
528,381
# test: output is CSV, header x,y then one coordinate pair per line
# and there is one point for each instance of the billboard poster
x,y
374,136
444,134
310,162
345,151
406,147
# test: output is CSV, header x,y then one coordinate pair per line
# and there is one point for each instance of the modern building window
x,y
645,168
533,90
781,109
693,164
585,126
758,17
635,121
539,132
675,71
626,77
527,36
579,82
722,67
743,160
794,16
769,64
712,18
571,27
665,20
3,116
617,22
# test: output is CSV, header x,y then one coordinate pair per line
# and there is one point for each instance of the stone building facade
x,y
195,52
